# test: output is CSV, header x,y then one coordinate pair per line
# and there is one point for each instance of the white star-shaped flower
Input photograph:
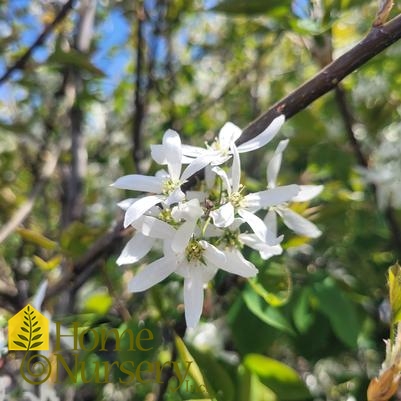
x,y
220,150
165,185
196,260
247,205
291,219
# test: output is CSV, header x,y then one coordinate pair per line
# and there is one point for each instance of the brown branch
x,y
377,40
139,96
21,62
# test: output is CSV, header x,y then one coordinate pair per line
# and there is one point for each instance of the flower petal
x,y
139,207
237,264
126,203
266,251
275,163
299,224
190,210
155,228
152,274
271,221
138,182
182,236
197,164
173,153
228,134
223,216
271,197
235,169
176,196
135,249
193,151
193,297
263,138
158,154
213,255
223,175
257,224
307,192
210,177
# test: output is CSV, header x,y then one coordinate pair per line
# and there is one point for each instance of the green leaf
x,y
36,344
194,370
302,314
24,329
268,314
36,238
339,310
76,59
215,374
280,378
22,337
251,6
35,330
394,287
98,302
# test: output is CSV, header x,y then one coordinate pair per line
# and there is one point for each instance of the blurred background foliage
x,y
112,77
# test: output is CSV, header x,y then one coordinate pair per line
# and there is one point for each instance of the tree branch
x,y
21,62
377,40
139,95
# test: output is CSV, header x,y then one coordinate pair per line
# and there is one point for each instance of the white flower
x,y
220,149
196,260
247,205
265,250
165,185
291,219
148,230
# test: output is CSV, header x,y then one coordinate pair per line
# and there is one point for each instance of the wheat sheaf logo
x,y
28,330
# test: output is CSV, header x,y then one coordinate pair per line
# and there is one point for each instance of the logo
x,y
28,330
67,358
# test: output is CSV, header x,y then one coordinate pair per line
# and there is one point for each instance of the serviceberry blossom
x,y
291,219
165,185
185,254
247,205
204,229
221,148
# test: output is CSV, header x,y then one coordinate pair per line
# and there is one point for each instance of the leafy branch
x,y
377,40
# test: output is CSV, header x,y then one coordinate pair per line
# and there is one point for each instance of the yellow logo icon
x,y
28,330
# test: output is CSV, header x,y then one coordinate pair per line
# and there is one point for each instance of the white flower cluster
x,y
204,230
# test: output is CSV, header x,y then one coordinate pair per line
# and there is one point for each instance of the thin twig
x,y
21,62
